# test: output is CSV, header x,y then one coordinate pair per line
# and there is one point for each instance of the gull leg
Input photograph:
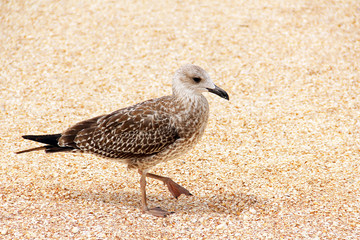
x,y
175,189
144,207
158,212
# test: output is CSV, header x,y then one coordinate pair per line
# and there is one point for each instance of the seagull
x,y
145,134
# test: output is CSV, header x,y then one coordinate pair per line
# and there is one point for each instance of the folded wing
x,y
126,133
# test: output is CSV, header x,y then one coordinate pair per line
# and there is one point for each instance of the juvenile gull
x,y
147,133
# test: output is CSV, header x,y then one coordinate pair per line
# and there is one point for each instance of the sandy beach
x,y
280,160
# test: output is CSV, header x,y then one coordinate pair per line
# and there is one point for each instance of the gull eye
x,y
196,79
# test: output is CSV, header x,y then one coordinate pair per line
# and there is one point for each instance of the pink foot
x,y
158,212
175,189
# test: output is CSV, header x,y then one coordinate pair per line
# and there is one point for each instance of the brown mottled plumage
x,y
147,133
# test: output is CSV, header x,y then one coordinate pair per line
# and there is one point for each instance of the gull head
x,y
192,80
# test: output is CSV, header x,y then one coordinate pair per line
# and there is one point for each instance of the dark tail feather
x,y
51,140
32,149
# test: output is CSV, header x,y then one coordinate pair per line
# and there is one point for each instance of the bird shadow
x,y
230,203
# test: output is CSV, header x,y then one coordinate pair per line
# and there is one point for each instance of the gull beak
x,y
220,92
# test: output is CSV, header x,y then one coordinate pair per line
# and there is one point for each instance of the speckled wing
x,y
131,132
